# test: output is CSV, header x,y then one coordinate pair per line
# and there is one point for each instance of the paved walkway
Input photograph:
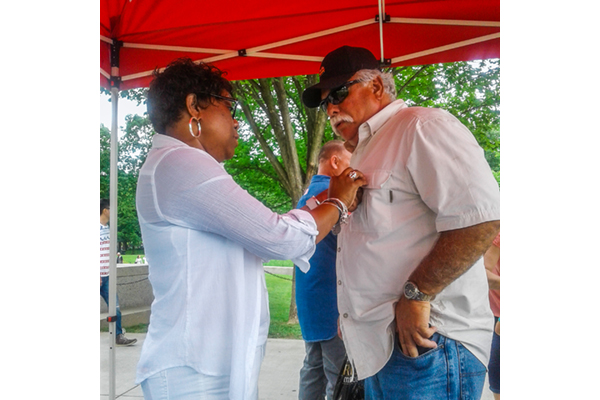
x,y
278,376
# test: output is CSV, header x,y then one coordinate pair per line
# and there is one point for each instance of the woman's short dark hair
x,y
169,89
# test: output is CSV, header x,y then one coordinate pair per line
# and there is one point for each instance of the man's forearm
x,y
453,254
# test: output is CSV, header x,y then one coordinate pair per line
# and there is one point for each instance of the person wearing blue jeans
x,y
411,284
120,340
104,294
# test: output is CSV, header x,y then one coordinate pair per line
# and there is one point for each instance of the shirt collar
x,y
160,141
320,178
372,125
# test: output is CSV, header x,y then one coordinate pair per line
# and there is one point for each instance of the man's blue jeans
x,y
104,294
449,371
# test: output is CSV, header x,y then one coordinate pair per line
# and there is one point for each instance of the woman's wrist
x,y
343,213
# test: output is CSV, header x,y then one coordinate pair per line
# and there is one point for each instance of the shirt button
x,y
339,249
340,283
345,315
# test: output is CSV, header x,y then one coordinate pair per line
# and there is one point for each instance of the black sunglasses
x,y
233,103
336,96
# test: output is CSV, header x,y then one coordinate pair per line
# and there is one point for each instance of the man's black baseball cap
x,y
336,69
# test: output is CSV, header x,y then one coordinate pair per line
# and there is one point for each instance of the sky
x,y
126,107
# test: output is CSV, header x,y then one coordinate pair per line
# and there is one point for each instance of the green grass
x,y
279,263
280,291
130,259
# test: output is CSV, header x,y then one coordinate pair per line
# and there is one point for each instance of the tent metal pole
x,y
451,22
254,51
112,281
114,155
447,47
381,19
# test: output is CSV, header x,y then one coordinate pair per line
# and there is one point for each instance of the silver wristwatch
x,y
412,292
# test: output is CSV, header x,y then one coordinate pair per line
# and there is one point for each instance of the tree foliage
x,y
281,140
134,145
468,90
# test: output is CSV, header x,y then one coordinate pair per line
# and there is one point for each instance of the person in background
x,y
120,340
119,258
491,260
207,239
316,298
412,291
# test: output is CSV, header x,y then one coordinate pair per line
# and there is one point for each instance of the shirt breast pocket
x,y
374,214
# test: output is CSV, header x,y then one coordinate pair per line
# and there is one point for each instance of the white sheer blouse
x,y
205,239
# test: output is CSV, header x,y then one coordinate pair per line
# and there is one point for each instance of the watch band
x,y
412,292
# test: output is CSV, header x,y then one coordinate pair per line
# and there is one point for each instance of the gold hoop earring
x,y
192,129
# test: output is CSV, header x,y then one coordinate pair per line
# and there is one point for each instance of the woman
x,y
206,238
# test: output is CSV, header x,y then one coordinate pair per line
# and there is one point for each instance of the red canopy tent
x,y
254,39
257,39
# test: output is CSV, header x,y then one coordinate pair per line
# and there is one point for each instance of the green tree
x,y
468,90
134,145
104,162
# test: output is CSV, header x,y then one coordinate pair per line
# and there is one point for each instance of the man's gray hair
x,y
389,86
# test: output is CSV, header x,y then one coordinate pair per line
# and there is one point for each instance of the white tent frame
x,y
258,51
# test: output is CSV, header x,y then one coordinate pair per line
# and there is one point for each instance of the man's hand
x,y
412,322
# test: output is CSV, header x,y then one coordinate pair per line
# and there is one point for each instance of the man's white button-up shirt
x,y
426,174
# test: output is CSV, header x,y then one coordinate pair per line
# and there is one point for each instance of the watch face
x,y
410,290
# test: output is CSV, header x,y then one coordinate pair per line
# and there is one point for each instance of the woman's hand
x,y
357,200
345,185
342,187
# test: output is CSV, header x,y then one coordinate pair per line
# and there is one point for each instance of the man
x,y
316,298
412,291
121,340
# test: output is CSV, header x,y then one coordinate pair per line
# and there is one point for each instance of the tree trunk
x,y
277,105
293,316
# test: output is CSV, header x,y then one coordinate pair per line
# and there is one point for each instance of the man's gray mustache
x,y
339,118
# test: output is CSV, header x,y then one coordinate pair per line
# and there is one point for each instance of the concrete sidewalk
x,y
278,379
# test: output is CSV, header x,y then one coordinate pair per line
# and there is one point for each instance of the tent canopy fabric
x,y
254,39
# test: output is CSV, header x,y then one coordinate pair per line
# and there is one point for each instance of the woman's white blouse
x,y
205,239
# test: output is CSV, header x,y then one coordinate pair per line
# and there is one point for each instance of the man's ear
x,y
193,108
334,161
378,88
